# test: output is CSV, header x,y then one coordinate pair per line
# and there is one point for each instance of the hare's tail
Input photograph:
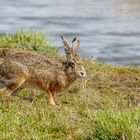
x,y
5,51
1,79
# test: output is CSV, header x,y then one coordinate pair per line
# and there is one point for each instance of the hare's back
x,y
37,60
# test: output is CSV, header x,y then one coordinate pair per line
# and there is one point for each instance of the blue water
x,y
109,29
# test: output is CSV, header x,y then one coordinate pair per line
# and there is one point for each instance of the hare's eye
x,y
72,64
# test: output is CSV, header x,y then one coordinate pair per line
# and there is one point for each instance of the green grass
x,y
103,106
28,40
116,125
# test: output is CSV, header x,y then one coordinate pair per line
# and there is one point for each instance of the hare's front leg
x,y
51,98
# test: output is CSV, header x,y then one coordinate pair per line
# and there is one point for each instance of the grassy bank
x,y
104,105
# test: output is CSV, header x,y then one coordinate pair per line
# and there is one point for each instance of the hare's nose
x,y
82,74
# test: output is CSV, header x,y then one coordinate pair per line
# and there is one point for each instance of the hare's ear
x,y
66,45
75,44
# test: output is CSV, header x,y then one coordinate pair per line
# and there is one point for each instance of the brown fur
x,y
51,75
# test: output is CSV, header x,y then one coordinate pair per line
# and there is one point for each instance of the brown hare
x,y
28,70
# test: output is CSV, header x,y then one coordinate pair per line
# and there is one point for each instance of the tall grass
x,y
28,40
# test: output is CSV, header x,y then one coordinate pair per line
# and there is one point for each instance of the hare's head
x,y
73,63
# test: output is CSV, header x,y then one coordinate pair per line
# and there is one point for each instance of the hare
x,y
28,70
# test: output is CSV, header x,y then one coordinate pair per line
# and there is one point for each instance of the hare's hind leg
x,y
12,75
13,86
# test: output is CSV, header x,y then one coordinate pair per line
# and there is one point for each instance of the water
x,y
109,29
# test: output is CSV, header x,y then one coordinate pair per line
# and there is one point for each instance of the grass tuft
x,y
28,40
